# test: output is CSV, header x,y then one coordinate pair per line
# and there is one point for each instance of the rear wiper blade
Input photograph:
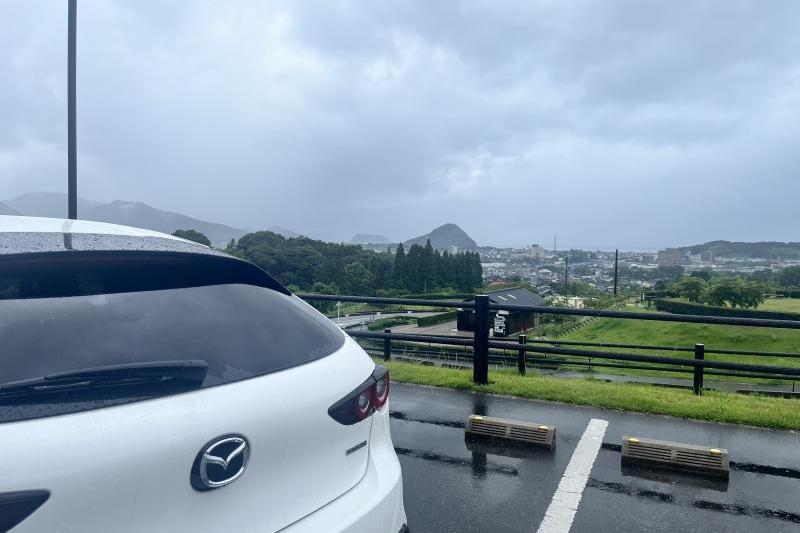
x,y
186,370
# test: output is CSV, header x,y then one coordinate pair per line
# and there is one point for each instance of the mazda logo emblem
x,y
220,462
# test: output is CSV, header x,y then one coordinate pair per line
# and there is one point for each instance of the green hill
x,y
767,249
445,236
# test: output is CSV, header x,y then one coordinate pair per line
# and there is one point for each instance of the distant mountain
x,y
766,250
136,214
7,210
284,232
141,215
47,204
367,238
445,236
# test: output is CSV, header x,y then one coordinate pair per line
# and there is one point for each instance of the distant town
x,y
545,269
549,271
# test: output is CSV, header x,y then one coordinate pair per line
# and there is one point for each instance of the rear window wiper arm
x,y
186,370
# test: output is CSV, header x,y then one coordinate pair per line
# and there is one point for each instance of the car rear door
x,y
123,460
128,468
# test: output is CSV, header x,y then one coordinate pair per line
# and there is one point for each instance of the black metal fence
x,y
527,351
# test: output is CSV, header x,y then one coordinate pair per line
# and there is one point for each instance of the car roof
x,y
25,224
22,238
21,234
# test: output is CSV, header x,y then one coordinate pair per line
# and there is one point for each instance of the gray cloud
x,y
624,123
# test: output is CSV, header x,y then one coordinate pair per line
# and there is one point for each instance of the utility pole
x,y
616,270
566,280
72,147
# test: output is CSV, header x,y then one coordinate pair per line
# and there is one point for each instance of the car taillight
x,y
364,400
363,404
381,389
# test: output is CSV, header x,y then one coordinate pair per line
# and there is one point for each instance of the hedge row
x,y
390,322
789,293
688,308
660,294
439,296
432,320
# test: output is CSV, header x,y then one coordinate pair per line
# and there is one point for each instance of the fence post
x,y
387,345
522,340
480,341
699,355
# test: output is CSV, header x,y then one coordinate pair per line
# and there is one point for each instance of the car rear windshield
x,y
62,315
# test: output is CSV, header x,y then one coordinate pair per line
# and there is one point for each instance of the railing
x,y
482,346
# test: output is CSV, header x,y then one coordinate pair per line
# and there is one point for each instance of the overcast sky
x,y
613,123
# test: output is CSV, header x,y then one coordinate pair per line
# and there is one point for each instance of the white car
x,y
148,383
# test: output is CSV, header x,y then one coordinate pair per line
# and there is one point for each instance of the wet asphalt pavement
x,y
452,486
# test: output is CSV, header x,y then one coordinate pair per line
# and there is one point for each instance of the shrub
x,y
390,322
686,308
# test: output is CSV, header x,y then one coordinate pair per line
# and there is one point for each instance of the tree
x,y
690,287
192,235
670,273
734,292
324,306
324,288
444,268
706,274
660,285
399,268
721,292
752,294
463,277
304,262
359,279
428,267
765,275
789,277
381,268
414,269
477,271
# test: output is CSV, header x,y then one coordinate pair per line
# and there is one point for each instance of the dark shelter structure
x,y
505,323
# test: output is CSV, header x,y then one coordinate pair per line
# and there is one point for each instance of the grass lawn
x,y
773,413
684,334
785,305
627,331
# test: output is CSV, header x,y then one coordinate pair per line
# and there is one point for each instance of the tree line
x,y
309,265
746,291
424,269
722,291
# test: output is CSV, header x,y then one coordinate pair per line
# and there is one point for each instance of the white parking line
x,y
561,511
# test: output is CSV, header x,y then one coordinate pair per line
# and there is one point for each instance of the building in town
x,y
536,252
670,257
707,257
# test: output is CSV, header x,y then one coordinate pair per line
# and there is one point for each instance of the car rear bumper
x,y
375,504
